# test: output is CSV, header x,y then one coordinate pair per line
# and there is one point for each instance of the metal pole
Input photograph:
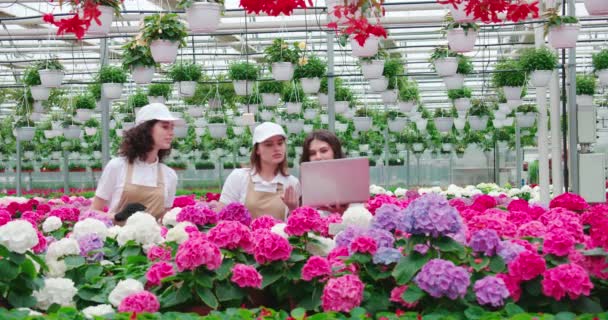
x,y
556,148
543,134
104,105
385,170
18,167
572,116
66,174
518,158
407,169
331,89
496,161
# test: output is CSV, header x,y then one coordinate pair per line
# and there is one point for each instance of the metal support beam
x,y
331,88
556,135
104,105
18,172
66,172
572,110
518,157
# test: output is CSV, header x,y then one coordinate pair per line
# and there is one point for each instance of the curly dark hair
x,y
138,141
325,136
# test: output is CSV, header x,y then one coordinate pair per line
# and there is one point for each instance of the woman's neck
x,y
152,156
267,171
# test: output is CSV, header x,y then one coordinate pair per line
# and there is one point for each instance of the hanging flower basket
x,y
564,36
36,116
106,17
444,124
602,75
293,107
406,106
584,100
195,111
323,99
270,99
397,124
379,84
372,69
243,87
282,71
156,99
446,147
459,123
368,49
51,78
362,123
215,103
341,127
454,82
186,88
217,130
266,115
417,147
540,78
525,120
293,127
84,114
72,132
461,41
310,114
341,106
142,75
459,14
310,85
596,7
390,96
90,131
446,66
180,131
203,17
512,93
324,118
478,123
462,104
421,124
25,133
40,93
112,90
164,51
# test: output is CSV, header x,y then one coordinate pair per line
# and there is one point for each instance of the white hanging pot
x,y
89,131
525,120
72,132
200,122
111,90
51,78
323,99
156,99
341,106
540,78
214,103
596,7
421,124
389,96
180,131
293,107
362,123
142,75
310,114
454,82
238,130
40,93
563,36
266,115
199,131
128,125
478,123
499,115
195,111
498,123
35,116
459,41
372,69
24,133
406,106
103,29
84,114
186,88
341,127
243,87
584,100
514,103
203,17
459,14
602,75
38,107
217,130
369,48
293,127
512,93
444,124
270,99
164,51
350,114
310,85
459,123
379,84
308,128
508,121
417,147
462,104
282,71
397,124
447,66
49,134
446,147
364,147
505,108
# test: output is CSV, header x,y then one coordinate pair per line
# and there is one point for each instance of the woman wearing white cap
x,y
266,188
138,176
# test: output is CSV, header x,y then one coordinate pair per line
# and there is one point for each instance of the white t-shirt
x,y
235,187
114,175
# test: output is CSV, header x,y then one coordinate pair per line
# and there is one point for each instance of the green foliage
x,y
509,73
111,74
251,99
555,21
526,108
281,51
538,59
84,101
271,86
392,68
159,90
408,91
479,108
293,93
50,64
31,77
137,100
134,55
204,165
442,52
243,71
442,113
465,66
314,67
344,94
464,92
95,90
467,26
92,123
600,60
164,26
185,4
185,71
585,84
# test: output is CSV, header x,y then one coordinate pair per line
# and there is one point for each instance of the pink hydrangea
x,y
33,216
468,214
316,266
158,272
396,296
326,221
570,279
595,265
569,201
513,285
66,213
43,208
535,229
5,217
363,244
496,213
337,254
536,211
503,227
184,201
199,214
231,235
558,243
527,266
236,212
246,276
598,234
376,202
143,301
519,217
595,215
264,222
342,294
518,205
158,253
567,225
457,203
198,251
12,207
558,214
42,243
270,247
303,220
484,201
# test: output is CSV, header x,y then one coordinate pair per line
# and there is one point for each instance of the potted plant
x,y
243,75
84,105
461,98
91,126
111,79
417,141
24,129
186,75
96,166
372,67
76,167
443,119
27,167
271,92
101,25
177,165
293,96
164,33
138,59
343,98
31,78
204,165
458,12
362,121
137,100
203,16
396,121
600,65
478,115
462,36
596,7
585,89
159,92
456,81
217,127
509,76
539,63
51,73
282,59
310,71
526,115
444,61
563,31
409,95
447,142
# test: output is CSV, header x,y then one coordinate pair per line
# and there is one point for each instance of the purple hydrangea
x,y
421,248
90,247
387,256
431,214
236,212
387,217
346,236
383,238
486,241
508,250
96,215
199,214
491,290
441,278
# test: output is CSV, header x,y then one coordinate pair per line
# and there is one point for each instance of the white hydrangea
x,y
279,229
56,268
374,189
56,290
89,226
99,310
51,224
400,192
322,247
513,192
357,215
31,312
113,231
178,233
5,201
104,263
123,289
18,236
62,248
142,228
170,218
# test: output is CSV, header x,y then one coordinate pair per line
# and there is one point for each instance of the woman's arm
x,y
98,204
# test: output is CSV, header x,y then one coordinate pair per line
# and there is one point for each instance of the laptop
x,y
333,182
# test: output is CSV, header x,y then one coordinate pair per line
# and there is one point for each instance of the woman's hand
x,y
337,208
290,199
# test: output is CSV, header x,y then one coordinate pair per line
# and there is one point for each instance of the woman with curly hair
x,y
137,178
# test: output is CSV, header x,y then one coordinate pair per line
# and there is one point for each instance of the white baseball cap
x,y
267,130
154,111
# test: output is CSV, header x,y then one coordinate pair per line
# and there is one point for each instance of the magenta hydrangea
x,y
431,215
236,212
199,214
342,294
491,290
441,278
566,279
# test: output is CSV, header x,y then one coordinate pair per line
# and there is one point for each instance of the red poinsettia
x,y
357,25
487,10
274,7
84,12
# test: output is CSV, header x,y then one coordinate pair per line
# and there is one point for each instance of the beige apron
x,y
153,198
261,203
